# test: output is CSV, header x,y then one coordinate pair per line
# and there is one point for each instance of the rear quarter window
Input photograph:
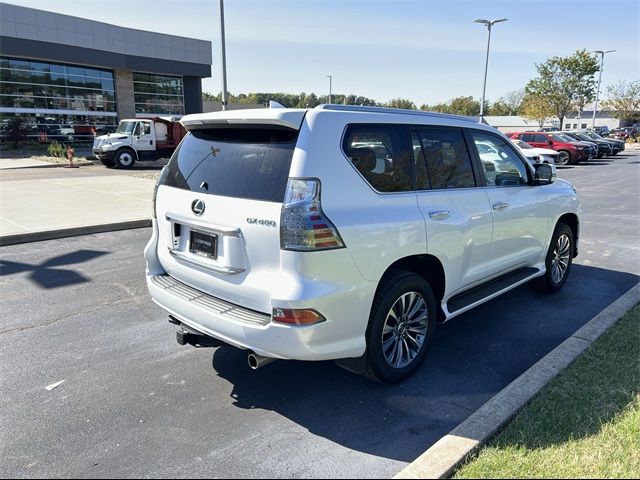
x,y
251,163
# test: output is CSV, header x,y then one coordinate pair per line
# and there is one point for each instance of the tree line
x,y
563,86
510,104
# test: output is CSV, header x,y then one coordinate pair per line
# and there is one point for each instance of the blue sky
x,y
425,50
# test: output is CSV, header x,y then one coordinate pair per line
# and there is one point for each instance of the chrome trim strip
x,y
207,227
181,257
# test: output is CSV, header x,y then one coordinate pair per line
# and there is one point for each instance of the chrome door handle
x,y
500,206
439,214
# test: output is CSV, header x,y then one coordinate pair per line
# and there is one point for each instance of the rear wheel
x,y
401,327
558,261
564,157
125,159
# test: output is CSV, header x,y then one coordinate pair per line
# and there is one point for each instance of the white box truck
x,y
137,140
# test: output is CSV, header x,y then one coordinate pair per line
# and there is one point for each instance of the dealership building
x,y
59,72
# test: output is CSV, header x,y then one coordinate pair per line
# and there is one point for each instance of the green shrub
x,y
57,149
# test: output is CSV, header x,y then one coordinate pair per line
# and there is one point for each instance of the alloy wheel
x,y
563,158
561,258
405,330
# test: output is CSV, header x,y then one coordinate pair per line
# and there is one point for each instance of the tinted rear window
x,y
250,163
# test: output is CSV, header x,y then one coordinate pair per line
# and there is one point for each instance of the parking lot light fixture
x,y
602,53
223,53
489,24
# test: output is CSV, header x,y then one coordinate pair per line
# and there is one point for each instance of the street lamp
x,y
595,108
224,57
330,77
489,24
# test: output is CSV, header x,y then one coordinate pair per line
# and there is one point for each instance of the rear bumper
x,y
344,300
254,331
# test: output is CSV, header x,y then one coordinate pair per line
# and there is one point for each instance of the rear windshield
x,y
250,163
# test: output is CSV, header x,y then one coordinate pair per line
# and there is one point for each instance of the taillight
x,y
303,226
296,317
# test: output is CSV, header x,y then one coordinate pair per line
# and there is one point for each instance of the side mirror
x,y
543,174
549,142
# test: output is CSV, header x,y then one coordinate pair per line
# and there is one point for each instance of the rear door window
x,y
382,155
250,163
448,161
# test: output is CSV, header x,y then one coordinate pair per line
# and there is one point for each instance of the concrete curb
x,y
72,232
441,460
50,165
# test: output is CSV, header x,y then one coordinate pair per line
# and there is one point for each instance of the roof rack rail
x,y
358,108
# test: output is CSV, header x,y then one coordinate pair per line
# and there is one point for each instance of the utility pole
x,y
330,88
224,57
595,108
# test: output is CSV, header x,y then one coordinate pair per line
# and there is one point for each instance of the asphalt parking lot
x,y
136,404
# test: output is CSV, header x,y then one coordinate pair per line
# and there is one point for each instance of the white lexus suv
x,y
347,233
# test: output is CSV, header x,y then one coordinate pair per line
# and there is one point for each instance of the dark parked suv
x,y
569,150
619,145
603,147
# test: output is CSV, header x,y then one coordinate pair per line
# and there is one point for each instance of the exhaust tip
x,y
253,361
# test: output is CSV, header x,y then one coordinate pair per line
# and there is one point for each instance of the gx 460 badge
x,y
264,223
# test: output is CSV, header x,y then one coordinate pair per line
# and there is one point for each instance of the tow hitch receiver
x,y
186,337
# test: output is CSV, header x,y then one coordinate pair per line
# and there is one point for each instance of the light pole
x,y
489,24
595,108
224,57
330,77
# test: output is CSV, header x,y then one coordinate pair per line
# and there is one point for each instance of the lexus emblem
x,y
197,207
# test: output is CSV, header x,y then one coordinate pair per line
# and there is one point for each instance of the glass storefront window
x,y
158,94
38,86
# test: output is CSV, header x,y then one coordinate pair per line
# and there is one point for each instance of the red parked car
x,y
625,133
569,151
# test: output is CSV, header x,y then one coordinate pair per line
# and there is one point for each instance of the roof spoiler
x,y
281,117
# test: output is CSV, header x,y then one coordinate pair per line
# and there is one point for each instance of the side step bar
x,y
487,291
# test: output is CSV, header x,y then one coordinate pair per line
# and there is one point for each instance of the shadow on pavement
x,y
596,163
46,275
473,357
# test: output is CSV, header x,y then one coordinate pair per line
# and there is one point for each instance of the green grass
x,y
585,423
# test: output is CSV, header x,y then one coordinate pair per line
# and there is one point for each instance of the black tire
x,y
125,158
107,163
564,157
393,289
548,282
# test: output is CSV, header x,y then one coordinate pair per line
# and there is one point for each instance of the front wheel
x,y
125,159
558,261
564,157
107,163
401,327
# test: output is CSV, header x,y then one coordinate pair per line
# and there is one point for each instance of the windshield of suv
x,y
562,138
126,127
250,163
584,136
595,135
521,144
